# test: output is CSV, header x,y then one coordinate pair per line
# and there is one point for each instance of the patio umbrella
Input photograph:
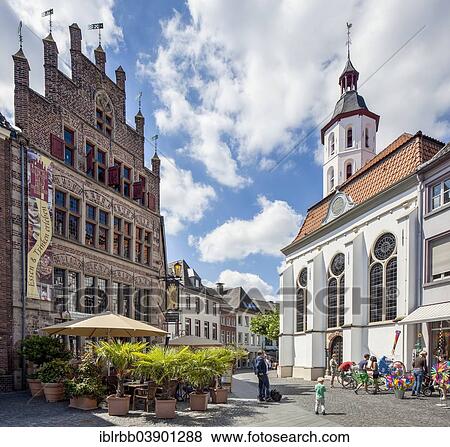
x,y
194,342
107,324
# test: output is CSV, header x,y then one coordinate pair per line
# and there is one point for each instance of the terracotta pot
x,y
83,403
219,396
198,402
36,388
54,392
399,394
118,406
165,409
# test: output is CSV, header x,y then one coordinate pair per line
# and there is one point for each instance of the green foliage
x,y
56,371
267,325
40,350
87,380
122,357
162,365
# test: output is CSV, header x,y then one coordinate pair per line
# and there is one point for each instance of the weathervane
x,y
349,25
98,26
19,32
48,13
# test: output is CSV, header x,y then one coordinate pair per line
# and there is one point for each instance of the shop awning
x,y
428,314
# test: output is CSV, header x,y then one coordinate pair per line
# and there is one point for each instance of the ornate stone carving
x,y
142,281
97,268
68,184
98,199
339,205
123,211
66,260
122,276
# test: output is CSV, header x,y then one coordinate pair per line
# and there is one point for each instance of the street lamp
x,y
177,269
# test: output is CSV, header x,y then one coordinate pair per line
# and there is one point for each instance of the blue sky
x,y
231,86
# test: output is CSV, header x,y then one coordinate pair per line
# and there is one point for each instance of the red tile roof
x,y
397,161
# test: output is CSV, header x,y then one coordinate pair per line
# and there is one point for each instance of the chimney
x,y
21,87
100,58
139,121
156,165
75,52
219,288
50,65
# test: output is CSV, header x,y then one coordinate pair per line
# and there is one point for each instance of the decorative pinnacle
x,y
349,25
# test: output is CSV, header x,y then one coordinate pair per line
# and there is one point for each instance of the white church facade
x,y
351,273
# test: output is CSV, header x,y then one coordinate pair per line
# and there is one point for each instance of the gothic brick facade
x,y
108,234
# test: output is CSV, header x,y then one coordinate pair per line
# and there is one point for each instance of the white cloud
x,y
250,282
241,78
182,199
36,27
269,230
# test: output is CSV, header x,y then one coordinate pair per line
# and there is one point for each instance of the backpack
x,y
275,395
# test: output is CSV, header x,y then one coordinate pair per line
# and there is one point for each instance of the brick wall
x,y
5,258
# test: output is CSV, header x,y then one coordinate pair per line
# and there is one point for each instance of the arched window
x,y
104,114
336,290
331,144
348,170
383,279
349,137
301,303
366,137
330,179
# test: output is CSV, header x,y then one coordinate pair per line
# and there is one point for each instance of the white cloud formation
x,y
35,27
182,199
241,78
269,230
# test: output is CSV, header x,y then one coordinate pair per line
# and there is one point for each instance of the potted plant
x,y
201,369
52,375
38,350
121,356
399,381
85,389
226,358
163,365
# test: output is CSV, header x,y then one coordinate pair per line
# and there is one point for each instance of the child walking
x,y
320,396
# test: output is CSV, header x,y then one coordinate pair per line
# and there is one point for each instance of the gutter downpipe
x,y
23,253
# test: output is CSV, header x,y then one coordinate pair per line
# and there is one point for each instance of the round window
x,y
338,264
384,246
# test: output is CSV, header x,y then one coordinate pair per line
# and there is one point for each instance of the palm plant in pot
x,y
38,350
201,369
52,375
163,365
85,389
226,358
121,356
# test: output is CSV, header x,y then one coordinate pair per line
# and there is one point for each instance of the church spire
x,y
349,77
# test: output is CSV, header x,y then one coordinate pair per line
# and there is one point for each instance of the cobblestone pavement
x,y
296,409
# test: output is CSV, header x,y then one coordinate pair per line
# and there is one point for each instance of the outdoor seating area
x,y
126,374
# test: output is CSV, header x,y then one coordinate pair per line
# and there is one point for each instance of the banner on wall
x,y
40,228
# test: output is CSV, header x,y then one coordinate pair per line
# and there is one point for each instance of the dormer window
x,y
349,137
104,114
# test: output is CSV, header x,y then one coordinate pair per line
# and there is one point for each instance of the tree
x,y
267,324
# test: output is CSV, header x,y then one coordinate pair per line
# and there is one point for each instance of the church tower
x,y
349,137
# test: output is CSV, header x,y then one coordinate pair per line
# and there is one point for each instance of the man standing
x,y
419,369
261,370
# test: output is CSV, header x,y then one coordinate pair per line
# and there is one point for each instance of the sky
x,y
237,91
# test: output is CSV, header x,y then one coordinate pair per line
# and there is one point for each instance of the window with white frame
x,y
331,144
336,289
439,194
349,137
439,258
302,282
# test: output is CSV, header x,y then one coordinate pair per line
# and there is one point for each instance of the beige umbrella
x,y
106,324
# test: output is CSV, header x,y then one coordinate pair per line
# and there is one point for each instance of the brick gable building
x,y
76,156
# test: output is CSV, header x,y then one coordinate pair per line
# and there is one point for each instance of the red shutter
x,y
57,146
138,191
114,175
152,201
90,160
